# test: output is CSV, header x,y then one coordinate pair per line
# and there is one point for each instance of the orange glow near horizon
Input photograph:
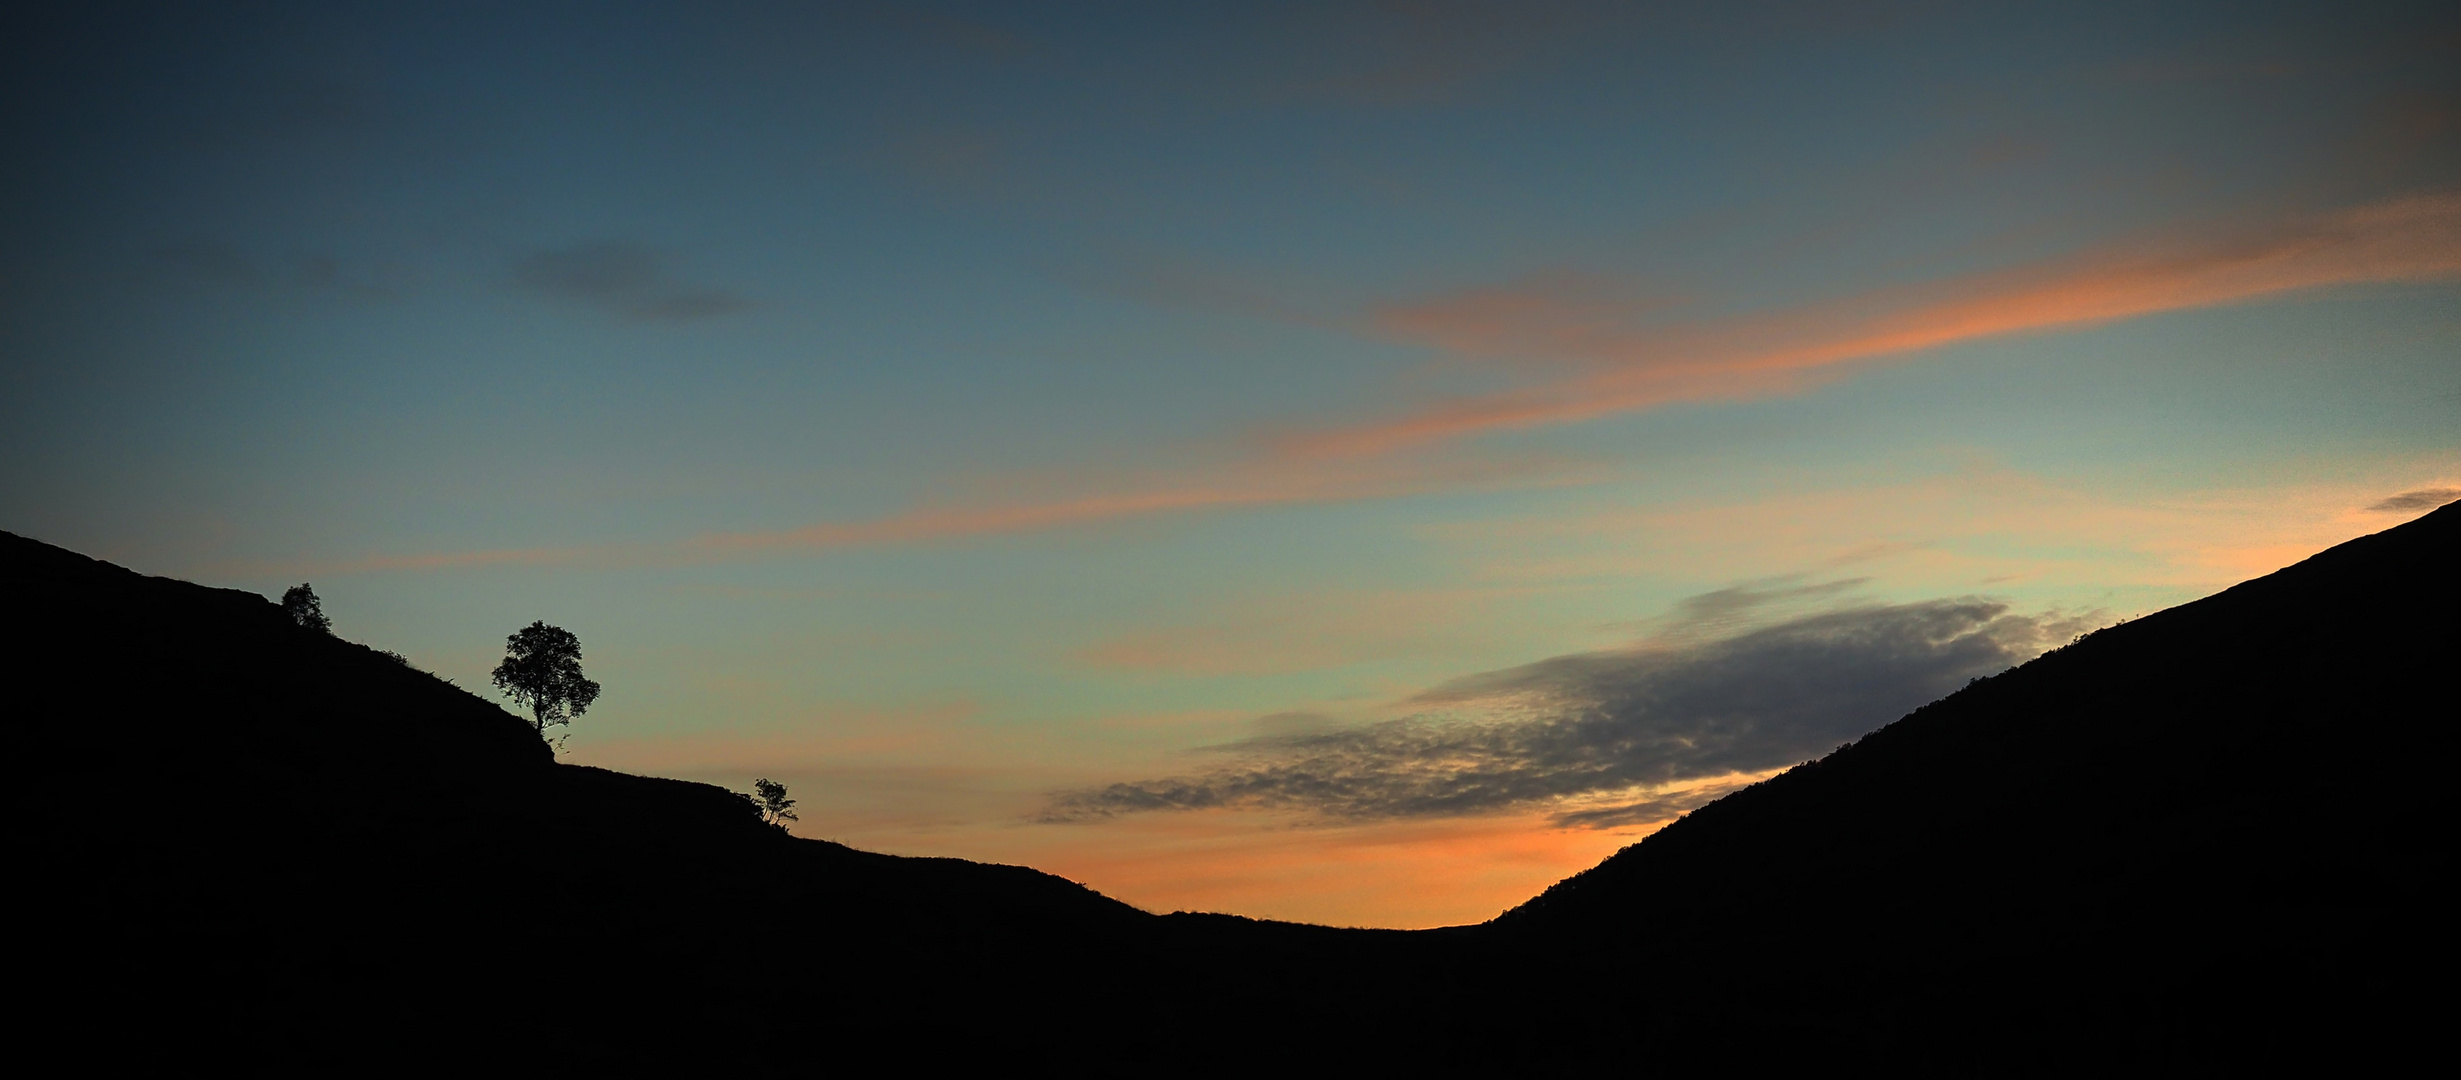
x,y
1400,875
929,791
940,780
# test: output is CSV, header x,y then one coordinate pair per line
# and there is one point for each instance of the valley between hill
x,y
2217,833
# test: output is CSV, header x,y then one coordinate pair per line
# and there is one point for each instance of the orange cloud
x,y
951,522
1627,364
939,523
1633,367
1267,482
1258,482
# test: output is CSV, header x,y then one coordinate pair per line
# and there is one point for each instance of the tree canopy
x,y
300,603
542,673
770,797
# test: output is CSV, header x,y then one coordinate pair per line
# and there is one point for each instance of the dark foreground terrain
x,y
2216,834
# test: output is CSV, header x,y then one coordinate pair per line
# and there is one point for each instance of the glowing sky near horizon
x,y
1350,462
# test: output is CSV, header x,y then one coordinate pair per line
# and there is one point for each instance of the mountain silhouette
x,y
2216,833
2226,824
261,839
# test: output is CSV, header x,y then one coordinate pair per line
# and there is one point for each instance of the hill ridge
x,y
2109,850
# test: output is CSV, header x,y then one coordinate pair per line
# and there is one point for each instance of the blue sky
x,y
952,410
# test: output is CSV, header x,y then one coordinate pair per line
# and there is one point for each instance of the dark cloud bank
x,y
626,279
1588,727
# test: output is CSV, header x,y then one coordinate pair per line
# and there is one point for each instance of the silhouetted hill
x,y
276,841
2225,824
2213,833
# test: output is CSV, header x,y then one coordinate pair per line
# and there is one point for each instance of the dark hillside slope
x,y
2225,824
2217,832
242,835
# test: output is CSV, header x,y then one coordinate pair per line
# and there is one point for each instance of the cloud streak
x,y
1629,366
1621,360
1244,485
2422,499
1613,738
1269,484
624,279
913,526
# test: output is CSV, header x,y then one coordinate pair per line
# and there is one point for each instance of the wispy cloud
x,y
1591,356
954,522
1959,522
1609,738
1240,484
911,526
1267,483
1404,54
215,263
458,560
626,279
2421,499
1627,363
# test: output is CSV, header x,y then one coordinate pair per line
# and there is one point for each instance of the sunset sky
x,y
1347,462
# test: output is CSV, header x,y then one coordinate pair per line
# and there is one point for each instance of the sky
x,y
1358,463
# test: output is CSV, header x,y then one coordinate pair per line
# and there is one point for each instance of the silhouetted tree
x,y
542,673
775,807
300,603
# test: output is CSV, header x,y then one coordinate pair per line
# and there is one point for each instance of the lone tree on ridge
x,y
300,603
542,673
770,797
